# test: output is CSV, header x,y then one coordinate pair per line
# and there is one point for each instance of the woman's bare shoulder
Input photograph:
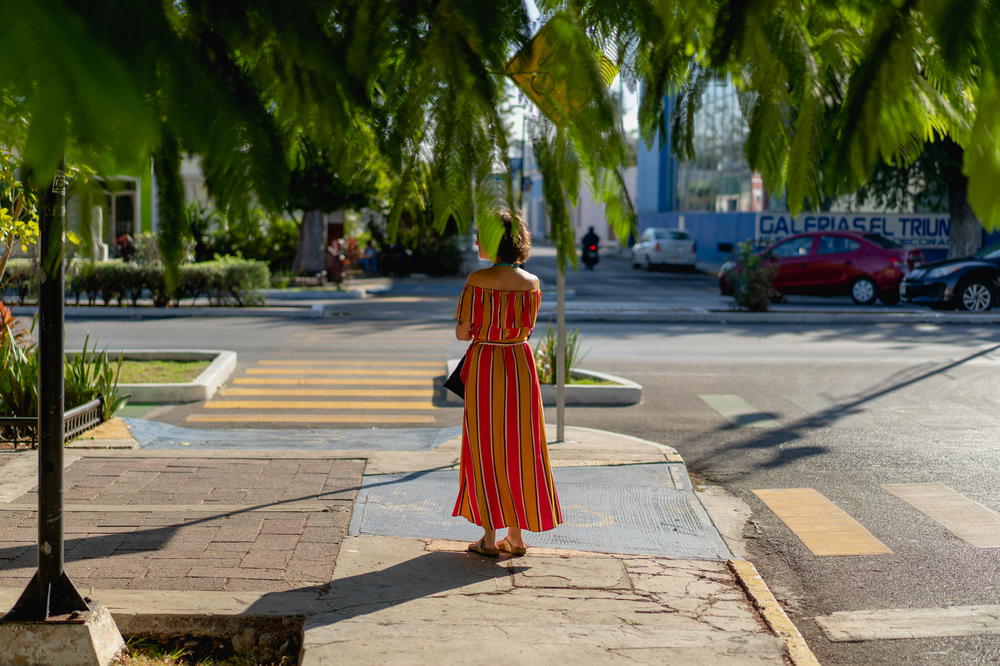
x,y
480,278
531,278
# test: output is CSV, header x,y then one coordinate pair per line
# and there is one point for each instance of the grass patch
x,y
160,372
192,651
583,380
590,381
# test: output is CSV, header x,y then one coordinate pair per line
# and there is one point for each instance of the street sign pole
x,y
50,592
560,346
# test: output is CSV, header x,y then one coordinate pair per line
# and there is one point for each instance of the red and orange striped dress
x,y
505,477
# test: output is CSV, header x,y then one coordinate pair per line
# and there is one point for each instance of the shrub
x,y
20,279
752,277
225,281
545,354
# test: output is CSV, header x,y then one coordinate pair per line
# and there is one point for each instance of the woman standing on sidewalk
x,y
505,478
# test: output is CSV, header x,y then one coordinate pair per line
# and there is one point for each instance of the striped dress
x,y
504,478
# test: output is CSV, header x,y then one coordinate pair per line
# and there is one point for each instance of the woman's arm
x,y
463,331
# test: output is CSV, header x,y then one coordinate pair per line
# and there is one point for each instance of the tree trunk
x,y
310,257
966,234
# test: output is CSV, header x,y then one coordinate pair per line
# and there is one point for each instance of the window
x,y
836,245
796,247
881,241
678,235
120,205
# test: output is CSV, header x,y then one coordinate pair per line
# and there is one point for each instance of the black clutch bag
x,y
454,382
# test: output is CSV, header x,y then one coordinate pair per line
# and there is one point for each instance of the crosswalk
x,y
896,412
335,375
827,530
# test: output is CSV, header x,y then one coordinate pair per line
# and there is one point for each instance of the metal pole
x,y
560,347
50,387
50,592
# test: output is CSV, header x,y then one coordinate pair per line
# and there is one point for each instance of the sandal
x,y
507,547
480,548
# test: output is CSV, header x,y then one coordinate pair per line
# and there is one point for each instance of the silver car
x,y
664,247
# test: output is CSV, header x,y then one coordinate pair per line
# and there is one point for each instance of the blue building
x,y
720,201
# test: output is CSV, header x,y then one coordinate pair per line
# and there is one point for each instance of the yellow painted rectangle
x,y
970,521
360,370
329,393
325,381
310,418
354,362
822,526
316,404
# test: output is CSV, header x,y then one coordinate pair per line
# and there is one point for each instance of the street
x,y
876,421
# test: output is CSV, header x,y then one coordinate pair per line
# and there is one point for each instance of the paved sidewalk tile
x,y
258,541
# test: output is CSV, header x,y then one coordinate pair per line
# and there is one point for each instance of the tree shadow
x,y
424,576
778,439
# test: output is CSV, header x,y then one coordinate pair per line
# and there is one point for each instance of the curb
x,y
548,315
755,587
751,318
112,312
222,365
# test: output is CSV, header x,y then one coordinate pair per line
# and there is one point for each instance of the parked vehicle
x,y
827,263
970,283
664,247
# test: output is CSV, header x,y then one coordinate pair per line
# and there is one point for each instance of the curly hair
x,y
515,246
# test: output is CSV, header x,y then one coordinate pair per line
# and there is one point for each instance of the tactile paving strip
x,y
155,435
632,509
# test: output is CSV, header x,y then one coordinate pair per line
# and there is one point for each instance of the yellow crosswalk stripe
x,y
316,404
330,393
309,418
354,362
416,372
317,381
970,521
822,526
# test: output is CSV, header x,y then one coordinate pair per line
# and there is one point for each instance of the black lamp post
x,y
50,592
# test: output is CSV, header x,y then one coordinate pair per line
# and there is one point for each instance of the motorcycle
x,y
590,256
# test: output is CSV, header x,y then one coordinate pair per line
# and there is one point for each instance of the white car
x,y
664,247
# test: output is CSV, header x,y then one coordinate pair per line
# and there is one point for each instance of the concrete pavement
x,y
171,533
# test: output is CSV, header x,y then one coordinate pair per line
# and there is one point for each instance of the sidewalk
x,y
169,533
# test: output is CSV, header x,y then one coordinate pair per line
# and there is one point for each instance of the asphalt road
x,y
841,410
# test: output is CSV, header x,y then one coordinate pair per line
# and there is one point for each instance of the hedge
x,y
224,281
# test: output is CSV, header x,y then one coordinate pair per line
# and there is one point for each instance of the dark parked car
x,y
970,283
827,263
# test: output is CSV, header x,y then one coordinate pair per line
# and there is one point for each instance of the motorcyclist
x,y
590,243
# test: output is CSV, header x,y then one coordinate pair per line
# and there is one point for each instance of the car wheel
x,y
863,291
635,263
976,296
889,298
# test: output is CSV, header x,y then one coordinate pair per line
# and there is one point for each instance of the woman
x,y
505,478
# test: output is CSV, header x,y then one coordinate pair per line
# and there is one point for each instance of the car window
x,y
795,247
991,251
836,245
648,235
678,235
881,241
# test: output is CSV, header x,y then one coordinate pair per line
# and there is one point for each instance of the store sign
x,y
907,229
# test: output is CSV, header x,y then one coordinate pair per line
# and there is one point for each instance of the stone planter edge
x,y
223,363
624,391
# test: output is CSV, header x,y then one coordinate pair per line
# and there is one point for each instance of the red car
x,y
827,263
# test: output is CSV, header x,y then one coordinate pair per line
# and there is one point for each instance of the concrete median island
x,y
600,389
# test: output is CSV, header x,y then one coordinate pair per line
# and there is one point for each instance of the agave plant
x,y
545,355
